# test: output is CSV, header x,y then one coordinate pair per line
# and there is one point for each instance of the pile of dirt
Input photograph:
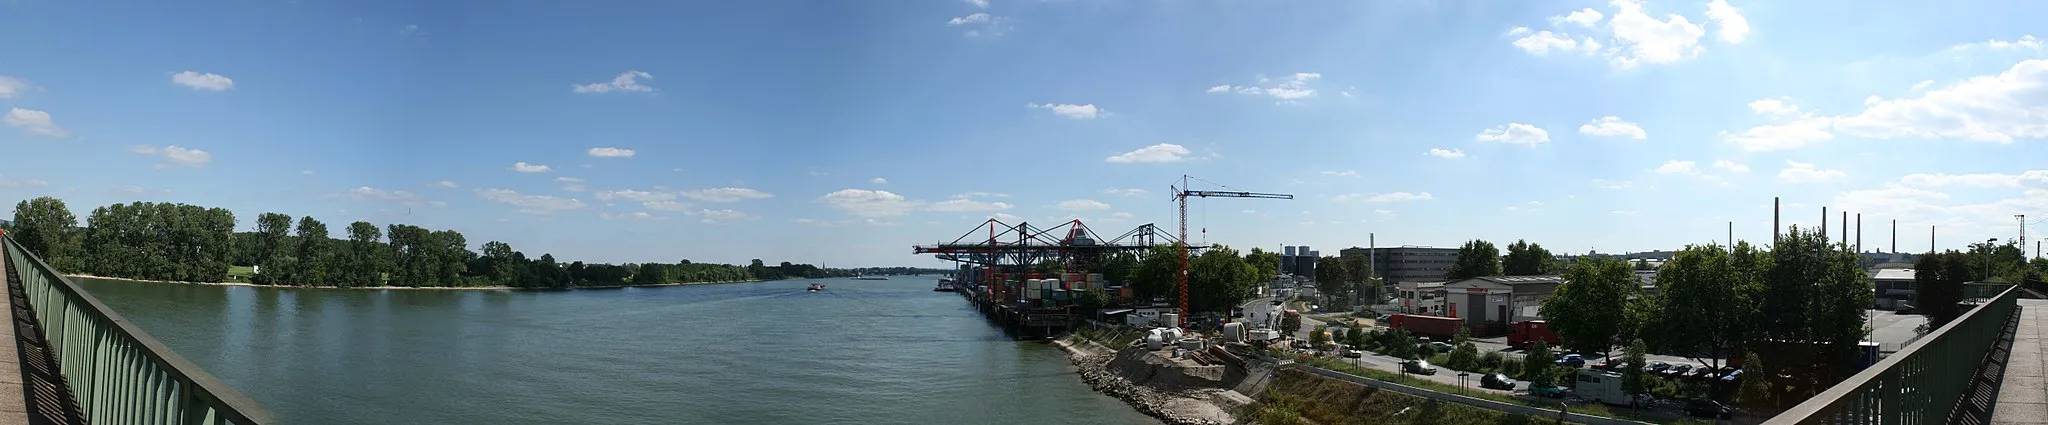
x,y
1297,394
1155,388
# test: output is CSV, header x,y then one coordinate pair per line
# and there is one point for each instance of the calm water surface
x,y
862,352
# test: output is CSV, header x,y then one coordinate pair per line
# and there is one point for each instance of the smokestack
x,y
1930,239
1823,222
1775,230
1895,236
1845,227
1859,232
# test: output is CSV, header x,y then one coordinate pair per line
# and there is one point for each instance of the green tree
x,y
1464,354
1266,264
1583,310
1938,285
1290,324
1319,336
1158,273
1218,280
1632,375
1527,259
367,258
502,269
651,274
1753,390
273,232
1816,294
44,226
1331,279
1094,299
1702,305
1117,267
315,253
1536,363
1476,258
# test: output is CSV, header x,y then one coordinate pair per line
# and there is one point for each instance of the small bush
x,y
1491,361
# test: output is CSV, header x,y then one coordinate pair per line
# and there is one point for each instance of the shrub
x,y
1490,362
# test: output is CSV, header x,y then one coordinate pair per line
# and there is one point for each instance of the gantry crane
x,y
1181,194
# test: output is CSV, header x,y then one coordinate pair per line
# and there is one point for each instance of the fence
x,y
1921,384
118,373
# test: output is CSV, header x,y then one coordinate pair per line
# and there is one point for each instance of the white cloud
x,y
530,204
1731,166
1611,126
665,205
1081,205
1922,85
1775,107
978,3
1996,108
981,195
1163,152
1728,20
968,205
34,121
566,179
1800,132
1526,206
1613,184
1385,197
2035,178
1345,173
524,167
626,82
611,152
1642,39
2024,42
1801,172
10,86
1687,168
7,182
726,194
719,216
1006,217
444,184
1288,89
207,82
1584,17
979,24
175,156
816,222
1125,192
1079,112
633,195
1543,42
409,30
973,18
1448,154
636,215
400,197
869,203
878,180
1516,134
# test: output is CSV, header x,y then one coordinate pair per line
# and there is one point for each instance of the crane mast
x,y
1180,195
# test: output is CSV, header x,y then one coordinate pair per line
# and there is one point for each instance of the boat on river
x,y
859,277
815,287
945,285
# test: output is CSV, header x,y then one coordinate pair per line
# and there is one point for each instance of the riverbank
x,y
444,288
1174,407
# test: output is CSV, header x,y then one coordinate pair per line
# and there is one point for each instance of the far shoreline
x,y
442,288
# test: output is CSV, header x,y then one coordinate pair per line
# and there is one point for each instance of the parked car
x,y
1906,309
1419,367
1655,367
1610,363
1702,372
1704,408
1546,389
1440,347
1732,376
1354,353
1676,371
1572,360
1497,381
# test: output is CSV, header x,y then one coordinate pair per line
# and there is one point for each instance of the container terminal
x,y
1028,279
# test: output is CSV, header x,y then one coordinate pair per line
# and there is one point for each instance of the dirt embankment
x,y
1148,384
1295,396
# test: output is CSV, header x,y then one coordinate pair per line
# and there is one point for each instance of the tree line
x,y
187,243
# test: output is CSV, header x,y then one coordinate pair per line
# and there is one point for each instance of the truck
x,y
1522,333
1432,326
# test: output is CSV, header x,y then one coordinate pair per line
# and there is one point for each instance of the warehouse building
x,y
1488,304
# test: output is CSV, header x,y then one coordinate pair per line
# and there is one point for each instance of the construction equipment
x,y
1181,194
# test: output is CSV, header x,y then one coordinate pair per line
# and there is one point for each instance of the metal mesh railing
x,y
1921,384
118,373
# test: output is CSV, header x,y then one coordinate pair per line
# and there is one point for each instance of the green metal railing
x,y
118,373
1921,384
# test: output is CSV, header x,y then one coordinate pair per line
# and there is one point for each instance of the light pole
x,y
1988,249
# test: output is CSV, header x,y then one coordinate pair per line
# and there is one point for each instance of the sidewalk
x,y
2023,393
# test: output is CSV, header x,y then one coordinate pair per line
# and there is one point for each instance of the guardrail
x,y
117,372
1922,383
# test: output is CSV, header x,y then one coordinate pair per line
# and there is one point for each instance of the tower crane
x,y
1181,194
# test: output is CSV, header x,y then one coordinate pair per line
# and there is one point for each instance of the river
x,y
860,352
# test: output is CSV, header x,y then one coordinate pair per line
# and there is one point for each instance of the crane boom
x,y
1180,195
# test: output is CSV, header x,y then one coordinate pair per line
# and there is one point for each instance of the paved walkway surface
x,y
31,390
2023,394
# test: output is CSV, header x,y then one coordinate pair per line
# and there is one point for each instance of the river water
x,y
861,352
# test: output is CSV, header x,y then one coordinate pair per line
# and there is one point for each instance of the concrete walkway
x,y
2023,394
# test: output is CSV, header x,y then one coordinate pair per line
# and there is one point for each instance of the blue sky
x,y
845,132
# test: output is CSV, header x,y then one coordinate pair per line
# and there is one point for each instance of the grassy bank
x,y
1595,409
1297,397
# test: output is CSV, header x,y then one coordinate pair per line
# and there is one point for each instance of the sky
x,y
843,133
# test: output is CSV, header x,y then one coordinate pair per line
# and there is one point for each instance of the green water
x,y
861,352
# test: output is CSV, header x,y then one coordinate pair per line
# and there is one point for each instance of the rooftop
x,y
1522,280
1893,274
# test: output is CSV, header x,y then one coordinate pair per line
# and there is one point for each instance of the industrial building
x,y
1488,304
1412,263
1298,260
1421,297
1893,286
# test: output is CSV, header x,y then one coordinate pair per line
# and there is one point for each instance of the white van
x,y
1605,387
